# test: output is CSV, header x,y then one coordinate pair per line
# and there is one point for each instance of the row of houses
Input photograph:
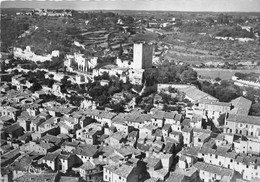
x,y
132,146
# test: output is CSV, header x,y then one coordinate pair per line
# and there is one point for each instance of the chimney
x,y
100,157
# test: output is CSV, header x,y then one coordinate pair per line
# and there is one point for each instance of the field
x,y
224,74
146,36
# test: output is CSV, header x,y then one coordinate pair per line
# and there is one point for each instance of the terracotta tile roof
x,y
241,106
214,169
12,128
50,156
244,119
152,161
43,177
87,150
123,170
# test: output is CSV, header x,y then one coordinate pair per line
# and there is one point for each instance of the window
x,y
241,125
216,156
246,125
231,160
119,177
219,163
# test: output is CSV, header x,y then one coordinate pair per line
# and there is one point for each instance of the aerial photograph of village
x,y
130,91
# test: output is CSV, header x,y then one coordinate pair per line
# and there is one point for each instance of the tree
x,y
120,53
102,100
105,76
239,75
118,107
209,20
255,109
217,79
35,87
221,119
129,20
50,82
189,76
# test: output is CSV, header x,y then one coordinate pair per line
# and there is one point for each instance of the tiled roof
x,y
52,139
123,170
69,179
166,127
196,94
193,151
152,161
214,102
88,166
241,106
186,129
50,156
176,177
244,119
214,169
87,150
12,128
46,145
43,177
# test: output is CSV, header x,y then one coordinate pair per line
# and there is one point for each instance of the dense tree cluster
x,y
170,72
225,91
234,32
10,30
248,76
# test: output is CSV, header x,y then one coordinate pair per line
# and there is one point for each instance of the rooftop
x,y
87,150
214,169
238,118
42,177
121,170
241,106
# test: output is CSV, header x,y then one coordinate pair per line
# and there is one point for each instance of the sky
x,y
164,5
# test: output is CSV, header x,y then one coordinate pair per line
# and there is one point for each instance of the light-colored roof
x,y
123,170
214,169
196,94
241,106
88,166
43,177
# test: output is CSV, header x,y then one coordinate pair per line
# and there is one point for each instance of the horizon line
x,y
136,10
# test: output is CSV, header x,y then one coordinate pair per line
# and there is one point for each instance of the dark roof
x,y
244,119
143,147
13,128
52,139
50,156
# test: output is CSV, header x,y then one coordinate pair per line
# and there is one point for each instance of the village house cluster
x,y
45,140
